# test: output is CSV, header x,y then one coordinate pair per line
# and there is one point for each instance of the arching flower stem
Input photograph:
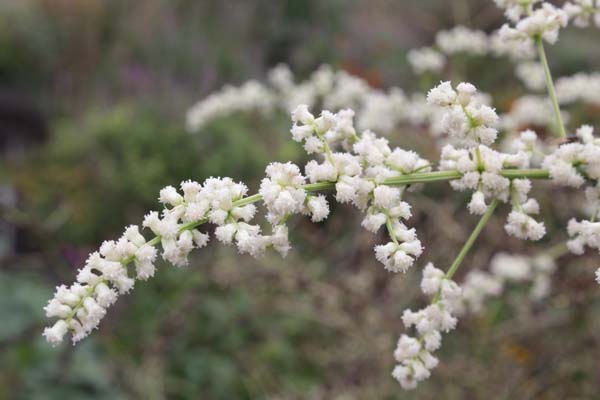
x,y
550,86
468,244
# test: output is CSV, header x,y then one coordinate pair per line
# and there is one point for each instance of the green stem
x,y
467,246
525,173
418,177
480,166
390,229
247,200
325,146
408,179
471,240
556,251
403,180
550,85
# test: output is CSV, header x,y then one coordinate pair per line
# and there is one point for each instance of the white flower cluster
x,y
232,217
413,354
467,121
579,87
515,50
383,111
519,223
461,39
346,91
357,166
544,22
80,307
289,94
339,90
532,75
359,175
335,90
571,163
219,201
387,208
514,9
465,118
251,96
426,59
481,168
583,233
505,268
527,142
582,12
586,233
190,207
283,194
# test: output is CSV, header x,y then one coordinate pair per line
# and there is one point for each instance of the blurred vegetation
x,y
110,81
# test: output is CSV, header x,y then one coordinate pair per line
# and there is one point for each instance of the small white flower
x,y
583,233
511,267
514,9
545,21
582,12
54,335
522,226
282,191
280,241
386,197
442,95
464,118
169,196
373,221
398,257
302,115
532,75
426,59
432,279
462,40
477,204
318,207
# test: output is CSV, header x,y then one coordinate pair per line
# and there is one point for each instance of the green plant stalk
x,y
468,244
390,229
556,251
550,86
471,240
408,179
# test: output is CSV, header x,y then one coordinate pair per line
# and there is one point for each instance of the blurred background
x,y
93,98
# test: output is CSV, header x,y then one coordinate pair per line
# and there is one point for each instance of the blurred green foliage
x,y
106,169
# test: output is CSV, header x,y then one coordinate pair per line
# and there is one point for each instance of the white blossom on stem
x,y
465,119
583,12
571,163
426,59
414,354
514,9
544,22
461,39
